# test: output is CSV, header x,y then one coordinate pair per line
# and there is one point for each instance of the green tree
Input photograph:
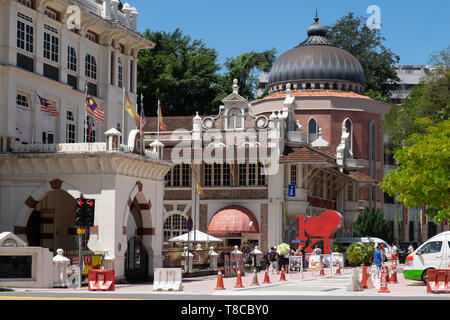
x,y
245,68
430,99
180,72
371,223
423,174
351,34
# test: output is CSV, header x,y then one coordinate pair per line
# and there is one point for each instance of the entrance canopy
x,y
196,236
233,219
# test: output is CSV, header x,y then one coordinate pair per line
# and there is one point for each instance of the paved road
x,y
310,286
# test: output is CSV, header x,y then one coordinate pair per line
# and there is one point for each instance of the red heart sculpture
x,y
324,225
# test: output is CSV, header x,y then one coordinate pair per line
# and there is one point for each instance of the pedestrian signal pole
x,y
80,222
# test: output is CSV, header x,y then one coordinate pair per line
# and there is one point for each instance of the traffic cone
x,y
220,281
239,279
386,271
282,276
255,279
394,275
364,277
383,284
266,276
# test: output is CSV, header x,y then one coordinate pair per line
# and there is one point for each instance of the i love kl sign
x,y
318,229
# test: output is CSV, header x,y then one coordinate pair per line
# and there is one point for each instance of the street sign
x,y
190,224
291,190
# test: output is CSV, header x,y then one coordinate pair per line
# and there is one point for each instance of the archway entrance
x,y
136,261
51,222
136,256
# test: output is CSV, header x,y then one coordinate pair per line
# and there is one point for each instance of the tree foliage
x,y
351,34
430,99
179,71
360,253
371,223
423,174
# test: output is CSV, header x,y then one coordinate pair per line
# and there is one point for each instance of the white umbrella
x,y
197,235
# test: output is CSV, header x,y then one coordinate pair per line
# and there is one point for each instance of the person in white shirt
x,y
394,253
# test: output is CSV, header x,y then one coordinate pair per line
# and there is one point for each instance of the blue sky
x,y
413,28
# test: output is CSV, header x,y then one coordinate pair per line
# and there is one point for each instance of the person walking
x,y
394,254
273,257
411,248
377,259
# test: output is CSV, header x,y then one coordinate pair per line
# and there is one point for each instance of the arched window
x,y
335,86
299,86
71,59
312,130
317,85
343,87
174,225
120,73
349,127
326,86
308,85
90,67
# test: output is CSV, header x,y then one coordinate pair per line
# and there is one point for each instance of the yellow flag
x,y
131,110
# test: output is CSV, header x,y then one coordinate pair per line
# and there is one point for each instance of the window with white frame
x,y
234,119
293,175
70,127
25,32
217,174
51,43
174,225
261,175
72,59
226,176
208,175
90,67
185,175
23,119
242,174
251,174
119,73
179,176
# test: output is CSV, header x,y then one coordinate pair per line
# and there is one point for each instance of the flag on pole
x,y
131,110
93,109
48,107
161,124
199,189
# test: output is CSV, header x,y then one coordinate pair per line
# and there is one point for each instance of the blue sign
x,y
291,190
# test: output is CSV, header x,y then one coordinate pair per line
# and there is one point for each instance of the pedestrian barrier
x,y
364,277
437,281
167,279
101,280
356,284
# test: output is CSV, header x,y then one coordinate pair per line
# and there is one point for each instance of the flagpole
x,y
140,124
159,115
85,116
123,115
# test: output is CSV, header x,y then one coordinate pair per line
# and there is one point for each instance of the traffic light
x,y
80,212
90,205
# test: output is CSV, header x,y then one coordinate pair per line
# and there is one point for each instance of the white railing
x,y
93,6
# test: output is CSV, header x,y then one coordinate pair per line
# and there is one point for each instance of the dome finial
x,y
316,19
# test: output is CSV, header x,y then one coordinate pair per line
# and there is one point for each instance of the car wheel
x,y
424,277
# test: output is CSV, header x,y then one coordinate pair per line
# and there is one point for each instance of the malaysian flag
x,y
48,107
94,110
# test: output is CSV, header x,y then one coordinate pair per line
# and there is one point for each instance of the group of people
x,y
276,262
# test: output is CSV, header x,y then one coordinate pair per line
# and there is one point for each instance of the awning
x,y
233,219
196,236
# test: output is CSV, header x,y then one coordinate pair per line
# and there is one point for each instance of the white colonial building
x,y
55,49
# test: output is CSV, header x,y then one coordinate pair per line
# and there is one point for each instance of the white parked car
x,y
432,254
345,242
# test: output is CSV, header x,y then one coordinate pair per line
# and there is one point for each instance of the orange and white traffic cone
x,y
220,281
394,275
255,279
282,276
266,276
383,284
239,279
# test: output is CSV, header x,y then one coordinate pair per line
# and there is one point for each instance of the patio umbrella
x,y
197,237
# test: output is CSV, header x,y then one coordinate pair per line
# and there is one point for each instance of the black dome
x,y
316,58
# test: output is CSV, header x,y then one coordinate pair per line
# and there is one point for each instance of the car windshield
x,y
432,247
